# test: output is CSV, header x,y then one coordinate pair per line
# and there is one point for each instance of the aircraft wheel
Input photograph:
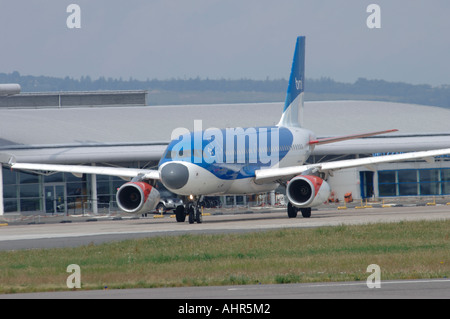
x,y
198,216
161,208
191,212
292,211
306,212
180,214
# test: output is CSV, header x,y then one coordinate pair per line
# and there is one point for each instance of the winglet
x,y
293,106
7,159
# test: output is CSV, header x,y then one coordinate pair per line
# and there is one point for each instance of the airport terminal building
x,y
119,129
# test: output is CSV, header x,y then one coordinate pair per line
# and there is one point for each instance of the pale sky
x,y
229,39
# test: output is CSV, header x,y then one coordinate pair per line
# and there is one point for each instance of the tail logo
x,y
299,84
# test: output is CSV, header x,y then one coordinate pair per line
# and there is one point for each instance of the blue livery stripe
x,y
241,161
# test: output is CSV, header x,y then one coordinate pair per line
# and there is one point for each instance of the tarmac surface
x,y
401,289
71,231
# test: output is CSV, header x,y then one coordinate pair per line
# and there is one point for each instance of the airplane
x,y
237,161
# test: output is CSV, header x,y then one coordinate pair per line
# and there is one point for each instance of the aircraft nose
x,y
174,175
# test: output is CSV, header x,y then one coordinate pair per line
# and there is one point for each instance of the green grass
x,y
406,250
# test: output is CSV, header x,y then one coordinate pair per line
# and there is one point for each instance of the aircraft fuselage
x,y
224,162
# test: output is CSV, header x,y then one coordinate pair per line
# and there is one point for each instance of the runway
x,y
80,232
398,289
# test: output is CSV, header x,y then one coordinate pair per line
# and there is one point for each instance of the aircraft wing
x,y
329,140
286,173
84,169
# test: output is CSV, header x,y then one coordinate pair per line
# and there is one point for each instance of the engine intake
x,y
307,191
137,197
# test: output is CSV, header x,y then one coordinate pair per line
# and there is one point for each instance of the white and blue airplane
x,y
238,161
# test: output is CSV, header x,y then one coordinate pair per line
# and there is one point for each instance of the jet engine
x,y
137,197
307,191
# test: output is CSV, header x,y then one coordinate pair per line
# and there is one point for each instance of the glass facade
x,y
106,190
56,193
21,191
414,182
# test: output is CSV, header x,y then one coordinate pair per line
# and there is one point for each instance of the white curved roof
x,y
348,117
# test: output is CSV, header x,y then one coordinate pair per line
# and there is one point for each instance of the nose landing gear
x,y
192,209
195,213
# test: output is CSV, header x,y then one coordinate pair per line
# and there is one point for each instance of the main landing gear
x,y
292,211
192,209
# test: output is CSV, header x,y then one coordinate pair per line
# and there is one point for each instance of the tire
x,y
161,209
306,212
198,216
191,212
292,211
180,214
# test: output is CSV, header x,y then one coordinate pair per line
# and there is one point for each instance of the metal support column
x,y
94,193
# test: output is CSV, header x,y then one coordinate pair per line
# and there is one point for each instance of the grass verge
x,y
405,250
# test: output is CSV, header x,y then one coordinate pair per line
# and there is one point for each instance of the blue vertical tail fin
x,y
293,107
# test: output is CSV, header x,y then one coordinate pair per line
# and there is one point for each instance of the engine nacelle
x,y
137,197
307,191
